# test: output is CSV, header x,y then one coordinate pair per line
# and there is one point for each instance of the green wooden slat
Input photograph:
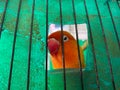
x,y
116,16
2,5
5,55
19,75
54,11
38,57
116,55
6,44
114,50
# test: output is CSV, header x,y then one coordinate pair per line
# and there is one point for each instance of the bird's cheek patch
x,y
53,46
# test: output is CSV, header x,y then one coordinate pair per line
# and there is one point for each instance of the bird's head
x,y
54,41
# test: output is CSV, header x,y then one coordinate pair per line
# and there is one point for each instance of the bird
x,y
54,41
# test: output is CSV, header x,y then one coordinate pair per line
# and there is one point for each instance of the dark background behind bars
x,y
23,52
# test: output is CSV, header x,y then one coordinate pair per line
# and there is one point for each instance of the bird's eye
x,y
65,38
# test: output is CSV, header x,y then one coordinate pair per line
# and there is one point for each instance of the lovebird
x,y
70,50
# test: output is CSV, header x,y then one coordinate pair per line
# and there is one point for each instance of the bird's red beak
x,y
53,46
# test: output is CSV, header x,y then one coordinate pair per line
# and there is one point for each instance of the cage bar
x,y
91,39
3,17
14,41
113,25
46,72
30,44
62,44
79,57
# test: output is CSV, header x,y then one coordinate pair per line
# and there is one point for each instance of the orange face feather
x,y
70,51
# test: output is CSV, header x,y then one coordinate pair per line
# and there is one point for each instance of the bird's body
x,y
70,51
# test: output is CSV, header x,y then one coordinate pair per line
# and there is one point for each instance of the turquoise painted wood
x,y
55,77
